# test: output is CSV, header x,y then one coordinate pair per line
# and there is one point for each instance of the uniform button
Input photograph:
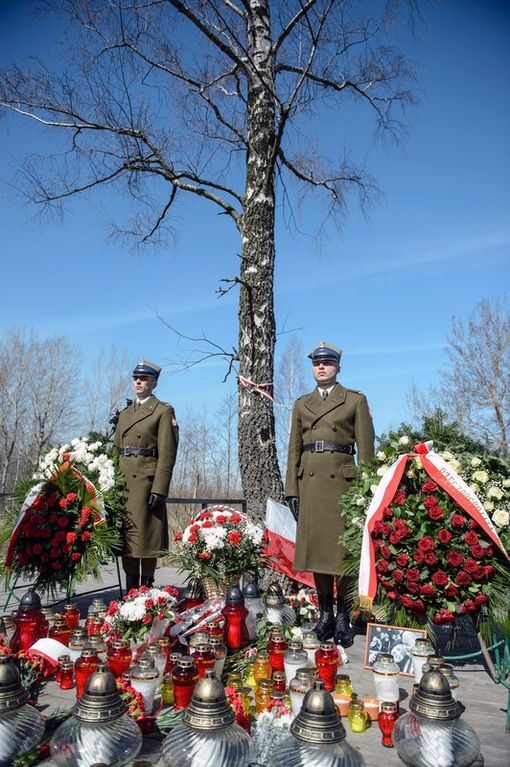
x,y
139,436
134,476
314,427
334,428
332,476
310,473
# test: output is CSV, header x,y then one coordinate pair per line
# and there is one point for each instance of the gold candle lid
x,y
12,693
209,708
101,701
433,698
318,721
266,684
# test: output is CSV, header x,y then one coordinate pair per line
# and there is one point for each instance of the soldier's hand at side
x,y
156,500
292,502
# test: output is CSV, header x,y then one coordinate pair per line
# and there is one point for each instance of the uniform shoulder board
x,y
357,391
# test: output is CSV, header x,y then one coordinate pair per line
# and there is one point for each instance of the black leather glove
x,y
292,502
156,501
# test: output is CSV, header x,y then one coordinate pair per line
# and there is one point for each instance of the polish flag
x,y
281,529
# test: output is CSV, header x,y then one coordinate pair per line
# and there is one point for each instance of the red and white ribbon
x,y
446,478
281,528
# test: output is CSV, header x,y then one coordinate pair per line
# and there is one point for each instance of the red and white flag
x,y
281,528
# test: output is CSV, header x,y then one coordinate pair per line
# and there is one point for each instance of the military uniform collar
x,y
317,405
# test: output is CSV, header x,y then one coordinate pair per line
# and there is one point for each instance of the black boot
x,y
343,633
132,581
326,624
147,580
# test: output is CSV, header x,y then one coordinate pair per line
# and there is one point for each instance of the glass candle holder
x,y
118,657
279,680
327,659
199,637
172,660
30,623
433,662
184,679
87,663
145,680
447,670
255,607
298,687
167,691
357,716
388,715
60,631
76,646
263,694
235,680
61,659
154,651
91,615
216,628
97,642
343,685
310,644
164,645
419,653
294,657
261,667
276,651
66,678
49,616
386,676
99,606
71,615
95,626
236,634
204,658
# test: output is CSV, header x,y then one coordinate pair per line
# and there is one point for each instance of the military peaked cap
x,y
325,351
146,368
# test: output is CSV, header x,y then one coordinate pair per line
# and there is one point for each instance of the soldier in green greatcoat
x,y
146,439
328,425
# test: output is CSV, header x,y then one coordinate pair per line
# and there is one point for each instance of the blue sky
x,y
384,289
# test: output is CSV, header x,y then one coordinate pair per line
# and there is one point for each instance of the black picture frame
x,y
397,640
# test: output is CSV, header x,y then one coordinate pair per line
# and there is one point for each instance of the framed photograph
x,y
393,639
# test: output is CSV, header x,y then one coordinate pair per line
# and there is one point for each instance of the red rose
x,y
406,602
399,498
426,543
59,536
440,578
489,570
63,503
53,519
402,560
418,556
468,606
63,521
56,565
463,579
54,553
418,606
46,532
385,552
377,528
471,538
76,556
85,536
471,566
429,487
473,525
488,551
413,588
457,520
454,558
387,513
444,536
481,599
479,574
398,576
37,549
436,512
428,591
386,528
393,595
394,537
430,500
443,616
413,574
430,559
382,566
234,538
451,591
477,551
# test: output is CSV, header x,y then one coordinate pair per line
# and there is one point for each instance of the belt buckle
x,y
128,450
319,446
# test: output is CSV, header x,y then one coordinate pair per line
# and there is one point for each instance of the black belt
x,y
147,451
319,446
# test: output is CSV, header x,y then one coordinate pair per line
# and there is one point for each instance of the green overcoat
x,y
319,479
151,425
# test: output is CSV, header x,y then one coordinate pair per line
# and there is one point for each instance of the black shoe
x,y
326,624
132,582
147,580
343,633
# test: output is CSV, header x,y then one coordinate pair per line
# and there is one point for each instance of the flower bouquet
x,y
61,534
436,552
305,605
142,612
220,543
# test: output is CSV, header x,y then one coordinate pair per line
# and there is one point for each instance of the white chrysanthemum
x,y
405,440
213,537
226,514
254,532
475,462
381,471
501,518
495,492
480,476
132,611
381,455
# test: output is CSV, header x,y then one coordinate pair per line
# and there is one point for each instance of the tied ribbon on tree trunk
x,y
444,476
94,501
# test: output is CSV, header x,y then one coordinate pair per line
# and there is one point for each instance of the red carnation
x,y
426,543
477,551
85,536
205,515
451,591
63,503
418,556
454,558
235,518
430,559
399,498
76,556
463,579
471,538
192,538
413,574
194,528
207,524
428,591
85,515
457,521
234,538
481,599
177,536
204,555
402,560
149,604
221,519
440,578
71,497
430,501
147,619
71,537
436,513
444,536
143,590
429,487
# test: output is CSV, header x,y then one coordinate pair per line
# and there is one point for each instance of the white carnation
x,y
254,532
501,518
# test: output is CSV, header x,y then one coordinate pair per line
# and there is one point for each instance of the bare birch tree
x,y
290,383
101,401
214,98
474,386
